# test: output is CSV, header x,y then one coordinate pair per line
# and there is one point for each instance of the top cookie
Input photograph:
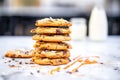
x,y
52,22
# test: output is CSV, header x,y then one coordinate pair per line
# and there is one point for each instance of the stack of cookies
x,y
50,46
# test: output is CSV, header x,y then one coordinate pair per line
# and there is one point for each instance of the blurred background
x,y
17,17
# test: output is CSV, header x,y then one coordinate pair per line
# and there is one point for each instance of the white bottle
x,y
78,28
98,25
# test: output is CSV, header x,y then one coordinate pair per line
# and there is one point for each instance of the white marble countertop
x,y
109,52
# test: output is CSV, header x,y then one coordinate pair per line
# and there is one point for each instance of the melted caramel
x,y
82,60
55,70
69,65
76,57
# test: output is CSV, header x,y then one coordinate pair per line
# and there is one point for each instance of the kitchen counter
x,y
108,51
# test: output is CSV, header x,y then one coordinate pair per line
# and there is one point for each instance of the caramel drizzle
x,y
70,65
75,69
87,61
53,70
77,59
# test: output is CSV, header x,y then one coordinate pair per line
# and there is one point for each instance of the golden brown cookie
x,y
47,61
52,22
51,38
51,54
52,45
49,30
19,54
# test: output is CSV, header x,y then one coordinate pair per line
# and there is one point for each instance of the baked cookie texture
x,y
51,54
52,22
51,38
50,47
49,30
18,54
48,61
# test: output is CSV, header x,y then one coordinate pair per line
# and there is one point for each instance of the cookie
x,y
52,45
51,38
47,30
19,54
51,54
52,22
47,61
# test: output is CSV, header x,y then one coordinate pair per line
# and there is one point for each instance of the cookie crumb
x,y
69,72
116,68
11,65
101,63
20,62
16,61
31,63
76,71
38,71
69,60
5,62
26,62
31,73
9,61
13,59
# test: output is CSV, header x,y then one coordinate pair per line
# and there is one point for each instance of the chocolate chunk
x,y
20,62
116,68
39,52
11,65
9,61
26,63
38,71
59,42
101,63
60,60
69,72
58,31
16,60
31,73
13,59
69,60
67,45
76,71
64,52
31,63
26,52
